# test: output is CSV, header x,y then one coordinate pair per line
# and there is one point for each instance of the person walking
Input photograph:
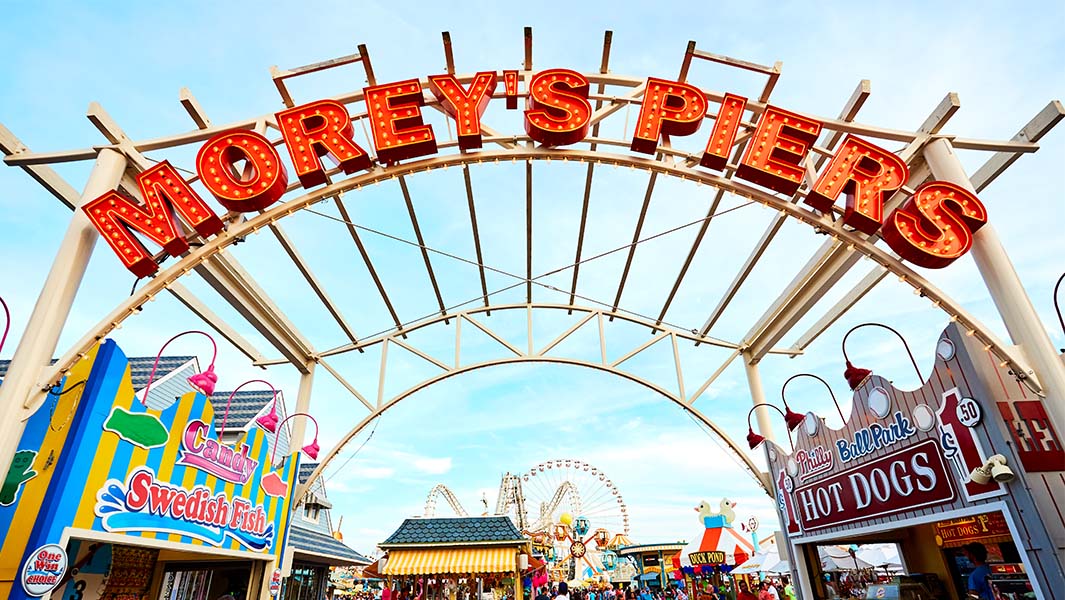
x,y
978,585
563,591
789,590
745,592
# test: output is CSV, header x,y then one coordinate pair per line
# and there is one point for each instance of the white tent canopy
x,y
766,560
881,556
835,558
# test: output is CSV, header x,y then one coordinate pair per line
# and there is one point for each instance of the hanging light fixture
x,y
7,323
269,420
310,449
830,393
204,382
755,439
229,401
857,376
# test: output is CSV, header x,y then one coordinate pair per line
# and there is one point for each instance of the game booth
x,y
969,457
437,558
708,559
112,498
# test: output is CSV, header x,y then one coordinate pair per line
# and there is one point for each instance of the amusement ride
x,y
571,510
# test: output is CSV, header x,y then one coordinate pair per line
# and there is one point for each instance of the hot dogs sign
x,y
899,451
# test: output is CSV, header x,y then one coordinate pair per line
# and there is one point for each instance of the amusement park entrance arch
x,y
928,156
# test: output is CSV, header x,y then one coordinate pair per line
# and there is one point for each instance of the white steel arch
x,y
923,152
593,318
844,241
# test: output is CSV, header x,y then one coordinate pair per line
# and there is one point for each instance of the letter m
x,y
164,192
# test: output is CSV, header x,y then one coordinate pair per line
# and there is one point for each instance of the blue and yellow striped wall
x,y
91,456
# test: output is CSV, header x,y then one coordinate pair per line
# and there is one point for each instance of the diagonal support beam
x,y
713,377
312,280
834,259
66,194
44,175
199,116
636,236
849,112
493,335
1033,131
366,260
476,232
237,288
565,335
421,243
661,335
222,272
347,385
198,308
596,119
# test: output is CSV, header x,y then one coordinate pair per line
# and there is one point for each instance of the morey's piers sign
x,y
244,171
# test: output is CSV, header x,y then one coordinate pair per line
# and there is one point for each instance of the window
x,y
310,512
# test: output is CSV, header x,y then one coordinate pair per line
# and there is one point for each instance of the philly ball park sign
x,y
931,229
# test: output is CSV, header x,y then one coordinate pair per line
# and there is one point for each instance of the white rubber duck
x,y
726,511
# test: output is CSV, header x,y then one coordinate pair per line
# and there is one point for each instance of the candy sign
x,y
144,503
44,570
214,457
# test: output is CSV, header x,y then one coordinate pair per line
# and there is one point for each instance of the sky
x,y
466,431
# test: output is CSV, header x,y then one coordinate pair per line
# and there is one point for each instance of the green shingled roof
x,y
454,530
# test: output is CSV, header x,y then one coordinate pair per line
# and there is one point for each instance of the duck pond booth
x,y
110,498
718,548
970,456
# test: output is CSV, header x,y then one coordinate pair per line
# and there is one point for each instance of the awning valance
x,y
431,561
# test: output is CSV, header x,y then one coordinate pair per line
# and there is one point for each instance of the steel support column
x,y
303,405
1004,286
754,383
19,394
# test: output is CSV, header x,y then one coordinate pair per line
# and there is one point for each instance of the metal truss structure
x,y
119,159
442,491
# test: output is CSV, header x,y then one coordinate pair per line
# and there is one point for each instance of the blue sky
x,y
1003,60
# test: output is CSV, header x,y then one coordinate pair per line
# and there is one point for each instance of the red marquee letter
x,y
396,121
669,108
867,174
114,216
465,106
263,178
319,129
724,134
935,227
510,88
776,150
558,110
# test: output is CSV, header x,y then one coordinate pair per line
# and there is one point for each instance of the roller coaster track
x,y
442,490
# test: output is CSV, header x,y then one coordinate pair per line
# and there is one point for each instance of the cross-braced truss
x,y
613,96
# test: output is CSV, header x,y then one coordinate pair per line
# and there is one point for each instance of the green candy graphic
x,y
144,430
21,471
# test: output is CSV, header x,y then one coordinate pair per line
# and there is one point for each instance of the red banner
x,y
958,531
902,481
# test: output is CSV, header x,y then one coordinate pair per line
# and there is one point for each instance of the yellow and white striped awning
x,y
430,561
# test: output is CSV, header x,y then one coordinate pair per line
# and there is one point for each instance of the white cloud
x,y
433,466
373,472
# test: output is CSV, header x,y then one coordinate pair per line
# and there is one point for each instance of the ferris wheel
x,y
560,486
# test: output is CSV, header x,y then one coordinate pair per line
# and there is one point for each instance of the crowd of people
x,y
768,589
